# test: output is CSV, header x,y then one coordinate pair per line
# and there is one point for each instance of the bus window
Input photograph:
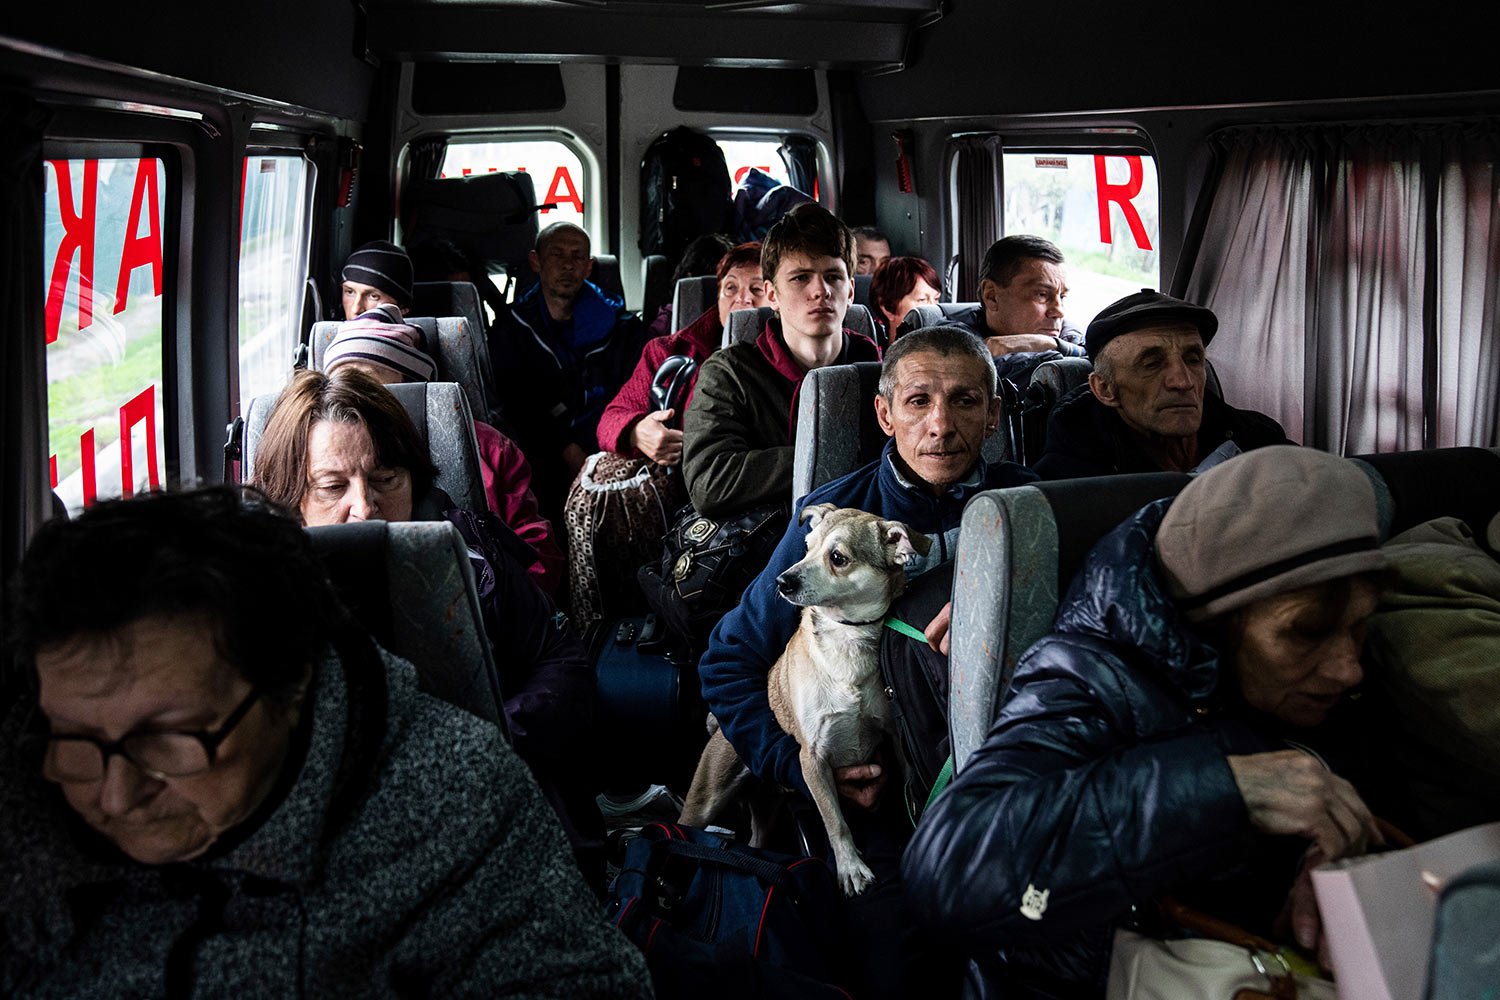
x,y
274,238
1101,211
104,265
742,154
556,171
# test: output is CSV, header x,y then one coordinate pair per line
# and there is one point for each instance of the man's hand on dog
x,y
937,632
860,784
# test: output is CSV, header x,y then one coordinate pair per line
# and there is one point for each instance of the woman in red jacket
x,y
630,425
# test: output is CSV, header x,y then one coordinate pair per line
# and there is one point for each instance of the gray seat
x,y
412,587
462,298
1019,548
692,298
606,275
442,417
862,289
934,315
746,324
656,285
836,427
458,348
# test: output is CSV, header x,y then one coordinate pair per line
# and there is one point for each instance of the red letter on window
x,y
78,237
142,407
142,250
86,445
1121,194
563,190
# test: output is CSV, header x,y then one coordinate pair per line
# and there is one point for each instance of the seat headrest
x,y
862,289
606,275
746,324
692,298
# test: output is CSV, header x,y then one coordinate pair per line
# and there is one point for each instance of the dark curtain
x,y
1360,264
24,500
977,209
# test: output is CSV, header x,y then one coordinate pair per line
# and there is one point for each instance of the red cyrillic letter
x,y
563,190
1121,194
52,470
142,407
86,457
139,251
78,237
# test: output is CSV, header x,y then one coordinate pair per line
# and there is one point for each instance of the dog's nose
x,y
787,583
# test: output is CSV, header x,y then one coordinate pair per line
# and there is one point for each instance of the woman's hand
x,y
1291,792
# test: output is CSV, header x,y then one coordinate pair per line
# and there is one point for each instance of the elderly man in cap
x,y
1144,408
1183,731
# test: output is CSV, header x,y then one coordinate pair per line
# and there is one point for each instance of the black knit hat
x,y
1144,308
384,266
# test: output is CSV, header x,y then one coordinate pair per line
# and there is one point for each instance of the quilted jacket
x,y
1102,785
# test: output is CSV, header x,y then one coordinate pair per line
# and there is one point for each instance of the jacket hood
x,y
1119,596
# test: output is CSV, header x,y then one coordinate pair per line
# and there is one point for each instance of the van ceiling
x,y
829,34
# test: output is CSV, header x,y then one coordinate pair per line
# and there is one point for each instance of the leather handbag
x,y
706,564
1223,962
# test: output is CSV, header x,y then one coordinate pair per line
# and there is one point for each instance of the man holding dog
x,y
937,402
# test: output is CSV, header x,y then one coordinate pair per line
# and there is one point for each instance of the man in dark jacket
x,y
560,355
739,427
937,402
1144,408
1170,735
1022,285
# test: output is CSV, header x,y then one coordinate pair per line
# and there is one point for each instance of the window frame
x,y
591,183
176,351
263,141
1115,141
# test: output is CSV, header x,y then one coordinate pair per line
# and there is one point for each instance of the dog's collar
x,y
872,621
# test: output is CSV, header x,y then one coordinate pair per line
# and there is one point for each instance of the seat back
x,y
836,427
934,315
442,417
458,348
862,290
606,275
692,298
411,586
460,298
747,324
1017,551
656,285
1020,548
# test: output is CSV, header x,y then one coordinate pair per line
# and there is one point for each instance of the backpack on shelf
x,y
685,191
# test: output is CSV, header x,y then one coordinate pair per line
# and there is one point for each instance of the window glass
x,y
555,169
104,265
1102,212
742,154
273,267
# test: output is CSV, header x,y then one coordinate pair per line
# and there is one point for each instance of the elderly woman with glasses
x,y
211,784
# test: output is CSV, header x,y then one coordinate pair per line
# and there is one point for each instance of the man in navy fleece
x,y
937,402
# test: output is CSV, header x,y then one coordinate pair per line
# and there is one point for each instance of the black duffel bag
x,y
705,566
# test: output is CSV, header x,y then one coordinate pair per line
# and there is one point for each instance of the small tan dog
x,y
826,689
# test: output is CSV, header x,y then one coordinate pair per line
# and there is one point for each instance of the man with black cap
x,y
1144,408
376,274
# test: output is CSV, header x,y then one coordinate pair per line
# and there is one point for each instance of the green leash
x,y
945,776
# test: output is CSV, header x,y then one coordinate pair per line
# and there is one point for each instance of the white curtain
x,y
1354,273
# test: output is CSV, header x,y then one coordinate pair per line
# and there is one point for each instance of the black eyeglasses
x,y
164,753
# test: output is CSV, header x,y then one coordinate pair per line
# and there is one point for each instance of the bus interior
x,y
182,183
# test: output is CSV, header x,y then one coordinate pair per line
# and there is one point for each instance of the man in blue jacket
x,y
560,355
937,402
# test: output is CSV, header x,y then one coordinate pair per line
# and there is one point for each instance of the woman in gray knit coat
x,y
209,786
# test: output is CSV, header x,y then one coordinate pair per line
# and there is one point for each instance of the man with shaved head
x,y
559,357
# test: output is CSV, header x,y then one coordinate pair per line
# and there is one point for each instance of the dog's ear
x,y
812,515
903,541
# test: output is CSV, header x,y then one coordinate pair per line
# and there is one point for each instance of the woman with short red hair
x,y
899,285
